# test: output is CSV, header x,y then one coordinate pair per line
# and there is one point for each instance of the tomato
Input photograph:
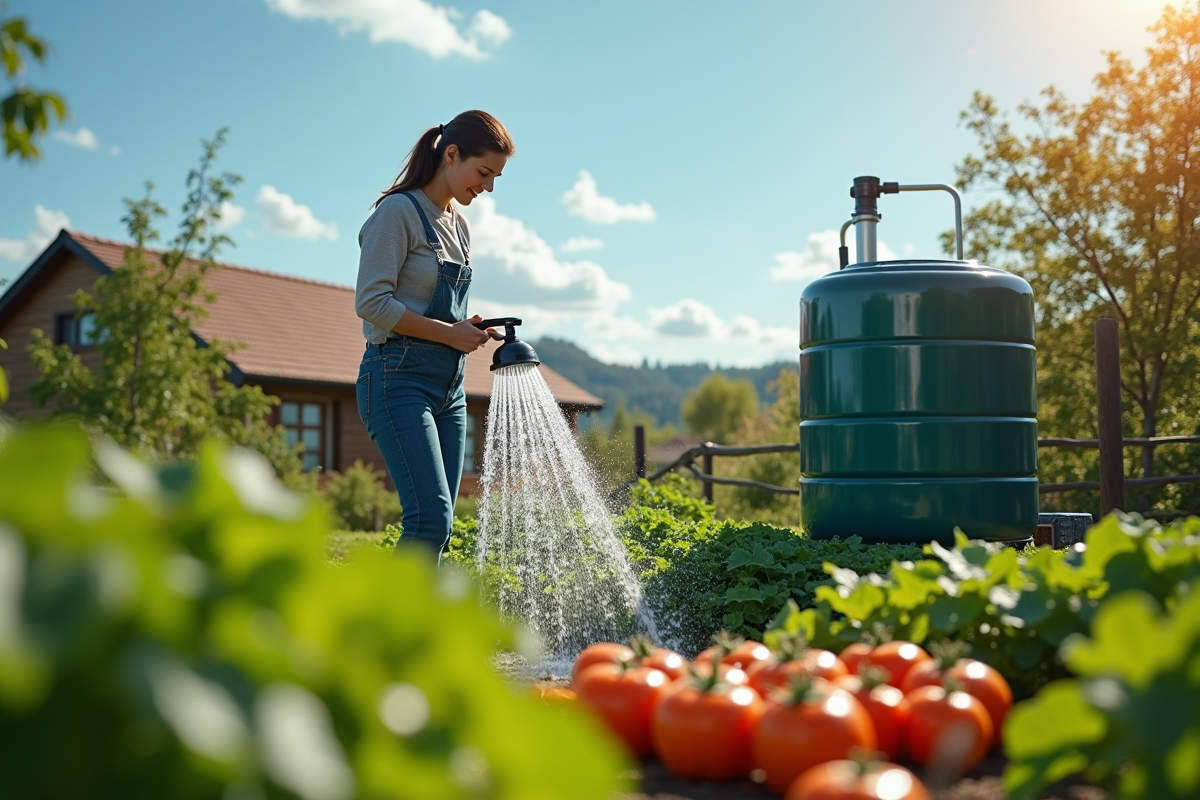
x,y
849,780
552,692
888,709
853,654
702,729
976,679
624,697
897,658
600,653
727,673
736,652
818,724
670,663
773,673
952,729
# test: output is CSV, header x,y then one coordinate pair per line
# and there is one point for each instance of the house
x,y
301,342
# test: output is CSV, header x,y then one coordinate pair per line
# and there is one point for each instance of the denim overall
x,y
410,398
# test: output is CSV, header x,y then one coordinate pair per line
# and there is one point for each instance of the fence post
x,y
639,451
1108,409
707,466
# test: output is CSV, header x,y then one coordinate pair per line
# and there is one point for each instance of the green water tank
x,y
918,403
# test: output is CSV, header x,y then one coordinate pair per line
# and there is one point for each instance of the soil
x,y
983,783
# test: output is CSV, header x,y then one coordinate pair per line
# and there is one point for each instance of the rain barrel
x,y
918,403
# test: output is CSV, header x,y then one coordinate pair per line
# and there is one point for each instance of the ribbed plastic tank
x,y
918,403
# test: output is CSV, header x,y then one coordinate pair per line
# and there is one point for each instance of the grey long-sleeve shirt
x,y
397,269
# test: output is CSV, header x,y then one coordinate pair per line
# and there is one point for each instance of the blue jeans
x,y
410,398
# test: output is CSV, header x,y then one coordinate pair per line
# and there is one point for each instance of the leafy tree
x,y
718,407
26,113
777,423
1097,208
610,451
154,388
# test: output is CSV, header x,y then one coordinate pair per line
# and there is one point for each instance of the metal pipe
x,y
865,237
941,187
843,252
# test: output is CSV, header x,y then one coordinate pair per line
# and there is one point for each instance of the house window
x,y
77,330
469,450
304,423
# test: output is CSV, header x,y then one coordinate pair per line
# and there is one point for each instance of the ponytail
x,y
475,133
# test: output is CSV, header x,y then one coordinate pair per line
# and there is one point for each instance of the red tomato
x,y
897,658
849,780
726,672
741,654
973,677
666,661
600,653
772,673
888,709
981,681
952,729
624,697
824,725
705,734
853,654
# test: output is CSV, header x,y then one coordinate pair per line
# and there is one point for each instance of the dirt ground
x,y
983,783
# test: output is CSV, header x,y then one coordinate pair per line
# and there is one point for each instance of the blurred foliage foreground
x,y
179,633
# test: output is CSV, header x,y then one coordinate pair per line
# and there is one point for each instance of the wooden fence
x,y
1111,443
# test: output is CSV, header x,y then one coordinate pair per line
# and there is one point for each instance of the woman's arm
x,y
462,336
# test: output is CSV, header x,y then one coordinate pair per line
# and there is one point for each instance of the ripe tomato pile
x,y
805,720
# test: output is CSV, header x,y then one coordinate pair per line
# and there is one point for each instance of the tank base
x,y
919,510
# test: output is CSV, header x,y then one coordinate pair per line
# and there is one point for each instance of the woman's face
x,y
470,177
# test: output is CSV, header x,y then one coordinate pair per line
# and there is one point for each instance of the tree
x,y
777,423
1098,209
26,113
718,406
155,389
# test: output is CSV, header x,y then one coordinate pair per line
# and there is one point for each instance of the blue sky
x,y
681,168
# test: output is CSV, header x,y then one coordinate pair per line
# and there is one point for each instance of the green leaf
x,y
1105,540
3,385
743,594
745,558
949,615
1130,641
1048,738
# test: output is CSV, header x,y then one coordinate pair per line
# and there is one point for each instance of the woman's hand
x,y
465,336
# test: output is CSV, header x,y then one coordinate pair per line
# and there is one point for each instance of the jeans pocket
x,y
362,393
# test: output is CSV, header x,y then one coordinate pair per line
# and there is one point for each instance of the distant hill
x,y
657,390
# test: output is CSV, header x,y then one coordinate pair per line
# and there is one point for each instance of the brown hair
x,y
475,133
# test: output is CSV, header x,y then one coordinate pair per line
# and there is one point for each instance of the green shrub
x,y
1131,720
1014,609
359,500
181,635
701,575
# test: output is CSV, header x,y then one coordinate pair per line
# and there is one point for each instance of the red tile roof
x,y
301,329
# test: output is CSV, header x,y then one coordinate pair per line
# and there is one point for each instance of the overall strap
x,y
462,240
431,236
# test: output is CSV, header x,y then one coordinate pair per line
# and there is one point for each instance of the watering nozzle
x,y
513,351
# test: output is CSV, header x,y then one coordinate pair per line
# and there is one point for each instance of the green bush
x,y
180,634
1014,609
701,575
359,500
1131,720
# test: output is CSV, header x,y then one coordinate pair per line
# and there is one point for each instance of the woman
x,y
413,279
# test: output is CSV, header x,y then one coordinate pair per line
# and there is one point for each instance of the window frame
x,y
324,450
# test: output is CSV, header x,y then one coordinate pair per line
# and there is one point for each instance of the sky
x,y
682,168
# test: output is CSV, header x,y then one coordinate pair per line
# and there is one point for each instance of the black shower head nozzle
x,y
513,351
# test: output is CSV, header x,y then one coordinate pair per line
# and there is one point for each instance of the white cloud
x,y
231,215
47,224
820,256
584,200
578,244
283,215
690,318
529,273
83,138
434,30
